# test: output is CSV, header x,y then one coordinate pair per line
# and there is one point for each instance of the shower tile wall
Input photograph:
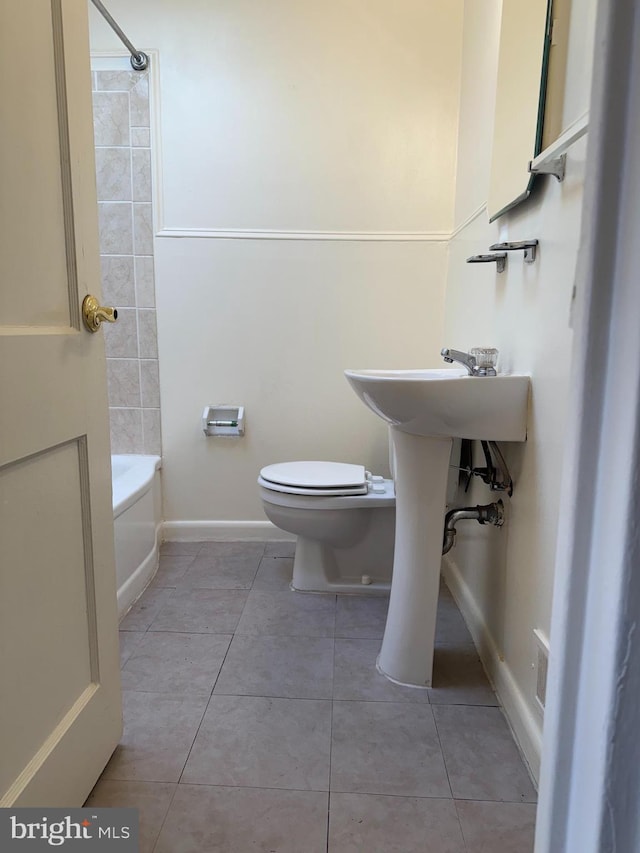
x,y
123,175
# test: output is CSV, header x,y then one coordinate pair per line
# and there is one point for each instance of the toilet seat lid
x,y
325,477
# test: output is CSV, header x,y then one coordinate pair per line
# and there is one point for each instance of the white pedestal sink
x,y
426,410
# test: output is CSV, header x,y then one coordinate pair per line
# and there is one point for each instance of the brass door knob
x,y
93,314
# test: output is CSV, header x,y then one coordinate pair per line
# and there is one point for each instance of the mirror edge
x,y
542,98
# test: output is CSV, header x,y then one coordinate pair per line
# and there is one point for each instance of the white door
x,y
60,715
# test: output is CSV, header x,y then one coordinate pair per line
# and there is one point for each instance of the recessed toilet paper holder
x,y
223,420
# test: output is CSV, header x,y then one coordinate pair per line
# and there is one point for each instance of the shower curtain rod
x,y
139,60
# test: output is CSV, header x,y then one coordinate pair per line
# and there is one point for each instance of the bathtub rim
x,y
135,482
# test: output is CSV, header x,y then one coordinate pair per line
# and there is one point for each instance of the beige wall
x,y
338,119
480,42
504,578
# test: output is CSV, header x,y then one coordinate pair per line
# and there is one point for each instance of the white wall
x,y
338,119
503,579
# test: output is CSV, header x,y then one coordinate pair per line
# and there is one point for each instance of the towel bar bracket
x,y
527,246
497,258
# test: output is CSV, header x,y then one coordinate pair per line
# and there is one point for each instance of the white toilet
x,y
344,519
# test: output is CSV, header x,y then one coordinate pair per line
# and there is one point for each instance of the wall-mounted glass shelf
x,y
552,160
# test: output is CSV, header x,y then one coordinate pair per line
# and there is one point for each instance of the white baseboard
x,y
526,726
214,531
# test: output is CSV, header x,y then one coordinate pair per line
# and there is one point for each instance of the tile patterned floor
x,y
255,720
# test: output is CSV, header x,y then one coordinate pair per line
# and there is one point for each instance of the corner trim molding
x,y
222,531
268,234
526,726
471,218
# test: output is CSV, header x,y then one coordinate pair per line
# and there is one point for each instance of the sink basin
x,y
427,409
446,402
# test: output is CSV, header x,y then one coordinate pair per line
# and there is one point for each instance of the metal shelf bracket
x,y
555,167
527,246
498,258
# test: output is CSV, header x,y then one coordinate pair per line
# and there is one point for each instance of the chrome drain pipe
x,y
487,514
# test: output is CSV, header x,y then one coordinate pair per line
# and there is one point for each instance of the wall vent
x,y
541,666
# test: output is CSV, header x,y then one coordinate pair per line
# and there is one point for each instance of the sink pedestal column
x,y
421,476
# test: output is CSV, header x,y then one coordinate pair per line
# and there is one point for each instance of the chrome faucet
x,y
467,360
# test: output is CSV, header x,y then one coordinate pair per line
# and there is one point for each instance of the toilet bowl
x,y
344,520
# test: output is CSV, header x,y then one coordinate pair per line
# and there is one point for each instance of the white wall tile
x,y
143,229
118,287
121,337
151,430
116,228
141,174
140,137
123,376
111,118
148,346
140,103
113,174
149,383
112,81
145,282
126,430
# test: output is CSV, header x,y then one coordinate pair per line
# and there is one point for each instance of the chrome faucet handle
x,y
486,359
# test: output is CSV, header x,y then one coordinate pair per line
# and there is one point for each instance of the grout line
x,y
464,838
324,791
206,708
333,673
173,633
254,788
166,815
212,690
444,759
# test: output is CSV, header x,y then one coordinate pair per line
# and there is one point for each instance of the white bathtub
x,y
137,520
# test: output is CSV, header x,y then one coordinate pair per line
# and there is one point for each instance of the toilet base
x,y
347,587
322,567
